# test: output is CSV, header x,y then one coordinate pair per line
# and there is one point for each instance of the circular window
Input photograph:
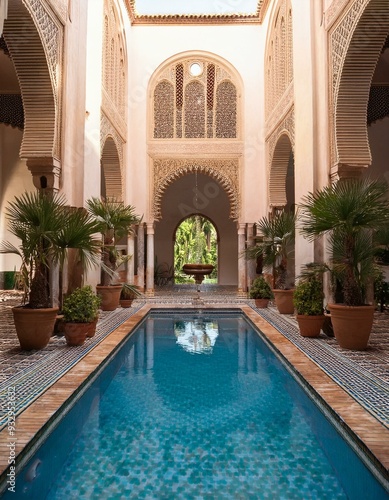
x,y
196,69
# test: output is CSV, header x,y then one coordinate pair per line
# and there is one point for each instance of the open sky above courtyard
x,y
206,7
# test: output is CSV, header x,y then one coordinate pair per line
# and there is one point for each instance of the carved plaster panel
x,y
333,11
108,130
175,148
224,171
51,32
279,58
287,125
339,38
112,113
281,109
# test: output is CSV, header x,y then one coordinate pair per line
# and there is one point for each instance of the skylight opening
x,y
195,7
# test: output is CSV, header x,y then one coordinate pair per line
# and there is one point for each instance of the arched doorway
x,y
180,200
281,181
111,178
195,241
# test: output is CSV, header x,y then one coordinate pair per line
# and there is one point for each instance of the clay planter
x,y
109,296
310,326
284,301
92,328
126,302
261,303
34,327
352,325
76,333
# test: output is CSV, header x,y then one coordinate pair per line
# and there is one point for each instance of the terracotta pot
x,y
327,325
109,296
76,333
92,328
284,301
34,327
126,302
310,326
352,325
261,303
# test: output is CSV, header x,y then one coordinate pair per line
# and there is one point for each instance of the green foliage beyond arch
x,y
196,242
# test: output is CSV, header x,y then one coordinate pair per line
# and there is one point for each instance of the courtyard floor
x,y
359,380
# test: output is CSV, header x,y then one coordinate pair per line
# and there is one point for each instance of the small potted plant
x,y
80,311
260,291
308,300
128,294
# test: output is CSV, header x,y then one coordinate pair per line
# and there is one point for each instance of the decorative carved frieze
x,y
224,171
178,148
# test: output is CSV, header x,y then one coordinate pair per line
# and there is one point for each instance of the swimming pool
x,y
195,406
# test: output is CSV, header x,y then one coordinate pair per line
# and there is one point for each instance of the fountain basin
x,y
198,271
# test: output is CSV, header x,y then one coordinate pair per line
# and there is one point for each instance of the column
x,y
150,260
251,264
131,262
242,283
141,257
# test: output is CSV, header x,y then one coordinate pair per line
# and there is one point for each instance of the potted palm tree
x,y
261,292
128,294
80,312
276,246
308,299
115,221
46,228
349,212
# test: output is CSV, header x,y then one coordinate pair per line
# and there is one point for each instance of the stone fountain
x,y
198,271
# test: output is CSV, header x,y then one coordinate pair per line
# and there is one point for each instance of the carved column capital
x,y
45,173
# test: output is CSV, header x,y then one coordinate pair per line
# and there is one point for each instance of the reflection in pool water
x,y
197,336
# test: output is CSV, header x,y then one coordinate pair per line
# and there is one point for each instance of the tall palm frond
x,y
275,244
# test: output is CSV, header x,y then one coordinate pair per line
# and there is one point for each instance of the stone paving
x,y
365,374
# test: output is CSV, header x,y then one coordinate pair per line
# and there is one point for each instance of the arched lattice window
x,y
195,100
279,58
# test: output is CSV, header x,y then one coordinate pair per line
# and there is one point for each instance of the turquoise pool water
x,y
195,407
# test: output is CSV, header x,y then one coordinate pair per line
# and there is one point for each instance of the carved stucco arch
x,y
110,165
34,37
280,145
166,171
355,43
